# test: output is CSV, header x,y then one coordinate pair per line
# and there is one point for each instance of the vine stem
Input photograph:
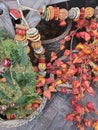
x,y
13,81
81,73
71,45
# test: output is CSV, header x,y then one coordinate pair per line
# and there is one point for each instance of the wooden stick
x,y
19,26
28,8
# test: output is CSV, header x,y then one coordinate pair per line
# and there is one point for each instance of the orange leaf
x,y
62,47
53,56
52,89
64,66
77,60
66,52
47,94
90,91
76,84
95,125
40,81
86,36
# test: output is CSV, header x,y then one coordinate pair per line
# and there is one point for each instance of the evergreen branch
x,y
4,97
22,54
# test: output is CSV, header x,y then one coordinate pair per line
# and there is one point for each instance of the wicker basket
x,y
20,122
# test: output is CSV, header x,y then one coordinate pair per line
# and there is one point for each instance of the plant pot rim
x,y
20,122
61,36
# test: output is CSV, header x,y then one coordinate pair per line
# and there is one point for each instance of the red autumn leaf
x,y
35,68
87,122
76,84
90,106
95,79
58,73
63,90
62,41
62,47
66,52
53,56
74,100
84,76
69,117
53,84
77,118
93,26
82,23
62,23
67,38
83,35
47,94
86,36
75,91
77,108
96,51
58,63
39,85
74,55
71,71
85,70
49,80
49,65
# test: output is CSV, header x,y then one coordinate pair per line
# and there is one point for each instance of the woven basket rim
x,y
20,122
60,36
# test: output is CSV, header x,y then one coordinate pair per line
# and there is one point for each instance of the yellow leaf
x,y
58,82
52,89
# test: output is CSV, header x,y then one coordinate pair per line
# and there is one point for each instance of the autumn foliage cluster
x,y
76,72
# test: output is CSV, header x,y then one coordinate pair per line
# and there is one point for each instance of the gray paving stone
x,y
69,126
57,123
42,124
58,102
50,113
2,128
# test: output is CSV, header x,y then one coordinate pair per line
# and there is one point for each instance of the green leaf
x,y
4,96
7,75
23,100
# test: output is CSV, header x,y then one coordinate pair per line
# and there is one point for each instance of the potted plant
x,y
19,100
